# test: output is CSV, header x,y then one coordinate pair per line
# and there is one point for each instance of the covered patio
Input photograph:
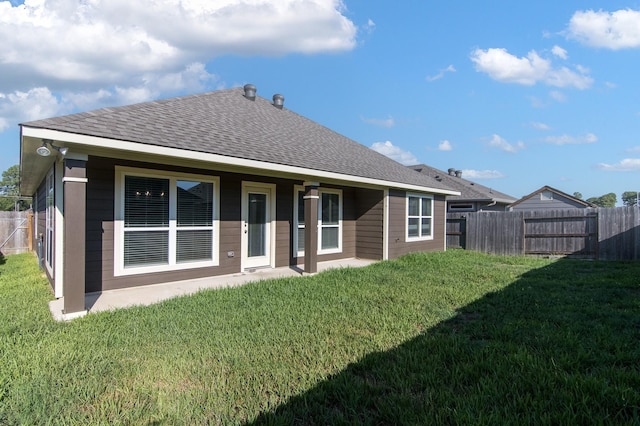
x,y
147,295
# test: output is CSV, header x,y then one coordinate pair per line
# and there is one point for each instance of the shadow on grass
x,y
3,259
558,346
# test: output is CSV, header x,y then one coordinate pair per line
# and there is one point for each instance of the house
x,y
473,196
213,184
548,198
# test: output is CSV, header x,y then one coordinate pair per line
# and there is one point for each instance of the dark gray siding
x,y
398,245
370,224
100,229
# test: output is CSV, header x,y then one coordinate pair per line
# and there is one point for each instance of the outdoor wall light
x,y
45,152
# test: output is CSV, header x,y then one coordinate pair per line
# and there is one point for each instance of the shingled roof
x,y
227,123
469,191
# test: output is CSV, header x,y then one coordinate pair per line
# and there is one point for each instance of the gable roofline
x,y
469,191
555,191
224,127
98,144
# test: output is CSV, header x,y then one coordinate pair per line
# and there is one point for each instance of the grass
x,y
455,337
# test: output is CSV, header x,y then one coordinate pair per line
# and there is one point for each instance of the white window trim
x,y
118,262
296,225
460,207
50,210
407,217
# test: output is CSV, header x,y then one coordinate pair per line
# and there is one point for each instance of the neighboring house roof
x,y
555,191
229,126
469,191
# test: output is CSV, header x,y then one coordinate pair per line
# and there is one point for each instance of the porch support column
x,y
75,207
311,198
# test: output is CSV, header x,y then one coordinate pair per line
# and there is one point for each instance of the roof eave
x,y
95,142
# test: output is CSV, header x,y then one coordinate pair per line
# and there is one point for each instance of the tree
x,y
630,198
10,190
578,195
606,200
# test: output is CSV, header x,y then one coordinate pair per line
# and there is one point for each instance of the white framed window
x,y
329,221
546,196
419,217
461,207
49,220
164,221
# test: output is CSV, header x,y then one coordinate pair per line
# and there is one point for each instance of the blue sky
x,y
517,95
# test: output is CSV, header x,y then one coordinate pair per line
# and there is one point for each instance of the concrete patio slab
x,y
148,295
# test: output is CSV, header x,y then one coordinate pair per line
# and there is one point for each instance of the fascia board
x,y
115,144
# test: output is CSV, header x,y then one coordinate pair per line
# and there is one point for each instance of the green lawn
x,y
455,337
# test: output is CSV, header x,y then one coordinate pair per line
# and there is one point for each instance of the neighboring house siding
x,y
370,224
537,203
398,245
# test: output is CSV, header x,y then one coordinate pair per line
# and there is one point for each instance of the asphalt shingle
x,y
226,123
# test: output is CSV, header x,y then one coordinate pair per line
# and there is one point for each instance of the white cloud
x,y
395,153
25,106
502,66
572,140
380,122
370,26
559,52
633,149
558,96
113,52
445,145
610,30
481,174
499,142
626,165
441,73
540,126
107,41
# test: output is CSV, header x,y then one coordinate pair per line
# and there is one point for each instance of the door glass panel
x,y
257,225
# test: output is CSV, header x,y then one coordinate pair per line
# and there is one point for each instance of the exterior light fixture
x,y
45,152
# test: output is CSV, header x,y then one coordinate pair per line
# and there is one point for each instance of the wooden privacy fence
x,y
599,233
16,231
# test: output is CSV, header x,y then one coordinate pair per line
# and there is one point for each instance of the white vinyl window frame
x,y
297,226
172,228
419,217
50,211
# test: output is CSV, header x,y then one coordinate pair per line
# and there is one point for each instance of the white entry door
x,y
258,214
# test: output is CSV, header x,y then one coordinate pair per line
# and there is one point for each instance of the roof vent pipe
x,y
278,100
451,171
458,173
250,92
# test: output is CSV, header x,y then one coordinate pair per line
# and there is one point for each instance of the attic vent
x,y
250,92
458,173
451,171
278,100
